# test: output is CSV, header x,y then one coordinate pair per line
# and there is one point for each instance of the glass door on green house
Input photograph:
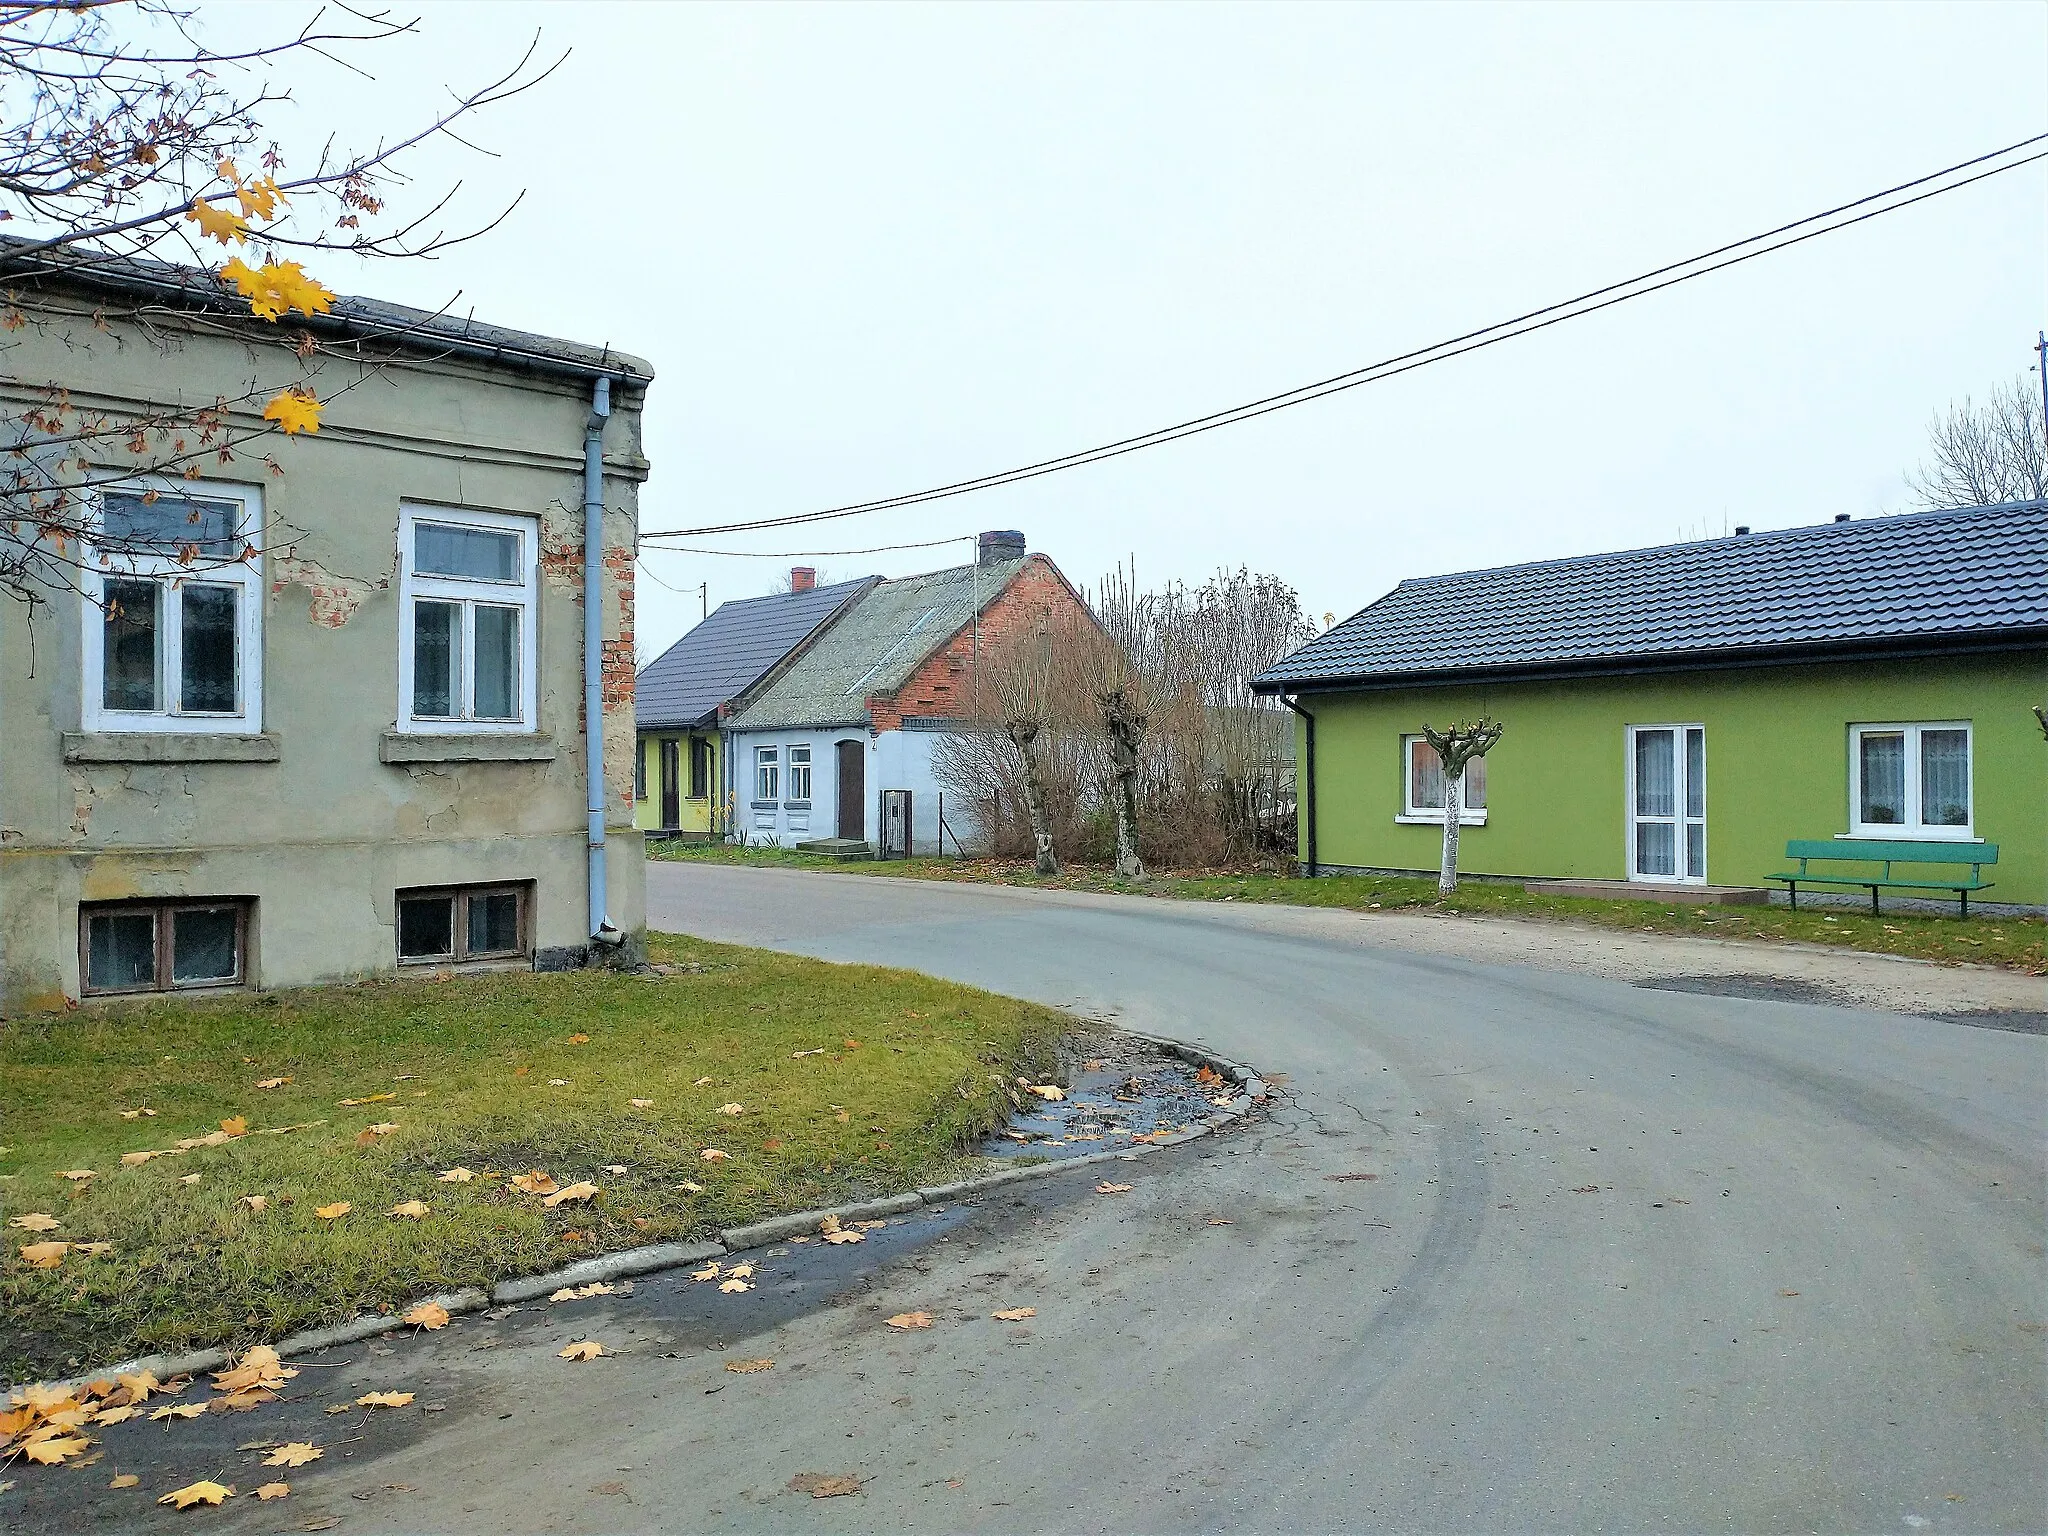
x,y
1667,792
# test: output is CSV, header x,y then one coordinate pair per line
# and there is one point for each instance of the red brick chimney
x,y
802,578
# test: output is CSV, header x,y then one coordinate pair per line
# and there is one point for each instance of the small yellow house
x,y
680,769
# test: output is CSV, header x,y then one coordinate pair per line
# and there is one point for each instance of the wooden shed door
x,y
853,788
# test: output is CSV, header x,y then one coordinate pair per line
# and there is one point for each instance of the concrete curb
x,y
760,1234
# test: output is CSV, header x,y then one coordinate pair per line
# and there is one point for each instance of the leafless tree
x,y
1979,455
1455,748
120,133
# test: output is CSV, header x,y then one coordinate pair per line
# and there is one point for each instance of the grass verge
x,y
2018,943
499,1074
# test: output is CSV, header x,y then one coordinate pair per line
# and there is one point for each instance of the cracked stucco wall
x,y
323,837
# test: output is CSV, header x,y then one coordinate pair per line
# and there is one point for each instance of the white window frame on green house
x,y
1682,818
232,567
1412,813
767,775
799,780
469,595
1910,827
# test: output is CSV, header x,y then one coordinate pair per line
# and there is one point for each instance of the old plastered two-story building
x,y
324,720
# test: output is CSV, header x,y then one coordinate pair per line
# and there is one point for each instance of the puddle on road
x,y
1117,1089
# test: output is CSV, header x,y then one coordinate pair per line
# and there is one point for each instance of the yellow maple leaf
x,y
238,1126
735,1286
298,410
294,1453
713,1155
77,1175
413,1209
845,1236
383,1399
138,1114
641,1103
273,1082
124,1480
56,1449
44,1255
259,198
456,1176
224,226
585,1349
428,1315
748,1367
140,1385
534,1183
256,1202
579,1192
579,1039
36,1221
92,1250
273,1490
910,1320
177,1411
197,1493
330,1212
732,1109
1015,1314
369,1098
708,1272
1106,1188
114,1415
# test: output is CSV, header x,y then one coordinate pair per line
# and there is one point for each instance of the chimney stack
x,y
802,578
1001,544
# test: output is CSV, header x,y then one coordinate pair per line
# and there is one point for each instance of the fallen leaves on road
x,y
273,1491
708,1272
383,1399
295,1453
333,1212
412,1210
748,1367
1219,1221
140,1385
1015,1314
197,1493
1788,1293
428,1315
260,1367
578,1192
455,1176
735,1286
177,1411
825,1485
1107,1188
36,1221
56,1449
845,1237
1349,1178
579,1293
125,1480
1207,1075
910,1320
534,1183
585,1349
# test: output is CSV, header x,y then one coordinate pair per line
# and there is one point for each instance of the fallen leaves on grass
x,y
534,1183
713,1155
44,1255
188,1179
908,1320
748,1367
578,1192
641,1103
256,1202
36,1221
138,1114
137,1159
238,1126
614,1167
412,1210
368,1098
691,1186
271,1491
579,1039
428,1315
333,1212
273,1082
197,1493
1015,1314
455,1176
702,1082
558,1082
77,1175
585,1349
1107,1188
383,1399
800,1055
295,1453
732,1109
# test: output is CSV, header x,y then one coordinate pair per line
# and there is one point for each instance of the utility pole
x,y
704,599
2041,351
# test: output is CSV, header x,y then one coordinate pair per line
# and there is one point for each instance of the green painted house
x,y
1675,715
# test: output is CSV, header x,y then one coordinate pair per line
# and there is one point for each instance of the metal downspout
x,y
1309,747
601,929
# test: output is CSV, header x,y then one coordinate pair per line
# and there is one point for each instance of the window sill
x,y
411,747
169,747
796,805
1909,835
763,805
1436,819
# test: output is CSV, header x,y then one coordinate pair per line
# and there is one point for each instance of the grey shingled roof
x,y
716,662
875,648
1969,574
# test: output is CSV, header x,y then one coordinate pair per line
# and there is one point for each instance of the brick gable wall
x,y
935,687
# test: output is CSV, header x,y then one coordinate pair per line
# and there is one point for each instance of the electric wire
x,y
1609,295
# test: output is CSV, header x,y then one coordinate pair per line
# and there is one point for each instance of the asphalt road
x,y
1629,1260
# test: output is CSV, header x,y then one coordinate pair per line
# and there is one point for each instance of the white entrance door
x,y
1667,799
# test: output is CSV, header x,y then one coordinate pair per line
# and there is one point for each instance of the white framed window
x,y
173,610
767,774
1667,803
1422,786
800,773
1911,781
468,589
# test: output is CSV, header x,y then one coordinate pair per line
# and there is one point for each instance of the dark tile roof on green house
x,y
720,659
1969,576
875,648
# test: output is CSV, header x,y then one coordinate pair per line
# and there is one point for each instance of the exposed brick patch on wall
x,y
936,687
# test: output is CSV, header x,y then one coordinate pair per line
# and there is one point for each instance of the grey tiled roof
x,y
875,648
732,650
1967,573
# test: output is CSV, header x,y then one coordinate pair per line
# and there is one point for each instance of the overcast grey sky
x,y
871,249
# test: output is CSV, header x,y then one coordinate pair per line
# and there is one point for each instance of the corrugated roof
x,y
875,648
732,650
1969,572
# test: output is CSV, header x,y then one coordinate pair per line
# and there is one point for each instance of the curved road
x,y
1627,1260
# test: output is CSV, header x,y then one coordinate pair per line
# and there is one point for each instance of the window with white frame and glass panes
x,y
467,646
451,924
767,774
1910,781
800,774
173,611
1423,782
162,946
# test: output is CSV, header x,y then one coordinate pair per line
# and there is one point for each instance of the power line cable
x,y
797,554
1457,346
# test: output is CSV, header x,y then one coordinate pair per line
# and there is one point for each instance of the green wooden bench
x,y
1845,850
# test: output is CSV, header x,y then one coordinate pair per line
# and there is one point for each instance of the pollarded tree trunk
x,y
1455,748
1454,794
1024,733
1126,735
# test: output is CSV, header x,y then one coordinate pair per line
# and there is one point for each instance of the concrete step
x,y
1650,890
837,848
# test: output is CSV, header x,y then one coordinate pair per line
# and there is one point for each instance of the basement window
x,y
162,946
451,924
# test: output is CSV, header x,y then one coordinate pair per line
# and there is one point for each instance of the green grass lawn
x,y
486,1072
2020,943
